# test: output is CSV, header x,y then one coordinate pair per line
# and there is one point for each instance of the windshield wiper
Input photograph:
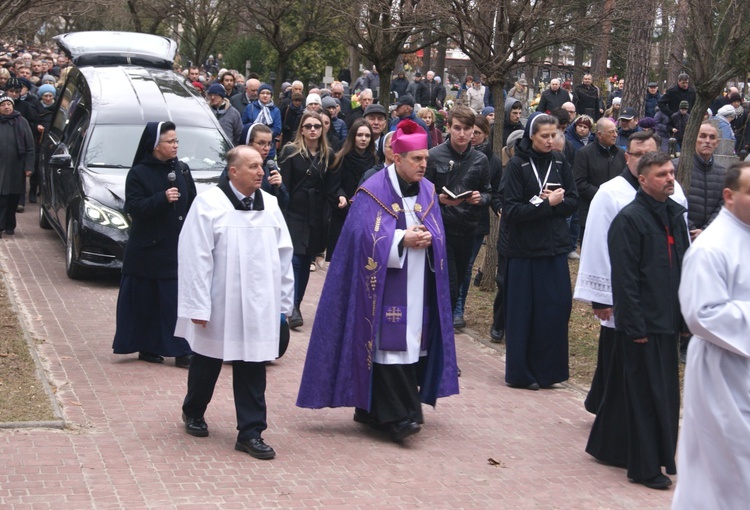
x,y
106,165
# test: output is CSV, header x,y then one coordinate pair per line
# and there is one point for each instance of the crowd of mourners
x,y
580,175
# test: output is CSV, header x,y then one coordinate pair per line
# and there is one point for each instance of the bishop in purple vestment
x,y
383,340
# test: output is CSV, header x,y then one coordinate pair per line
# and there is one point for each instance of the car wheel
x,y
72,253
43,221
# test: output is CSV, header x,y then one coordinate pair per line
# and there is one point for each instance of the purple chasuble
x,y
359,299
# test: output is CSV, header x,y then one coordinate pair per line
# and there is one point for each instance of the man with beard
x,y
594,282
647,242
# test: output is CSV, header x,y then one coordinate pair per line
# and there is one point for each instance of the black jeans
x,y
459,249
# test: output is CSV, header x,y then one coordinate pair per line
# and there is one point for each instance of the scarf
x,y
14,119
264,116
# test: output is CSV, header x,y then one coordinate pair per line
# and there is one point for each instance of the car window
x,y
69,99
114,146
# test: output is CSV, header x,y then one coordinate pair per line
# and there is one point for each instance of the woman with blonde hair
x,y
304,166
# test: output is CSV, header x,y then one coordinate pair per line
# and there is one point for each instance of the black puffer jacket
x,y
469,171
644,288
706,186
595,165
536,231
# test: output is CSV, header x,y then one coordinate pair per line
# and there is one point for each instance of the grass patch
x,y
22,395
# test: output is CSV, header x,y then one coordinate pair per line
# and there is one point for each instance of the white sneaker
x,y
573,255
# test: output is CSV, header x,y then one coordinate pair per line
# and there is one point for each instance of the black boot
x,y
295,320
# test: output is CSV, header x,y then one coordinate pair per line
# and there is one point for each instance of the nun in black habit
x,y
158,192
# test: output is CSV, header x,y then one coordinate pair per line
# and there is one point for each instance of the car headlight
x,y
104,215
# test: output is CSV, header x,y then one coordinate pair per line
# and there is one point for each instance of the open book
x,y
455,196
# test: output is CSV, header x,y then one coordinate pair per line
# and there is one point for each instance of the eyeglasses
x,y
312,127
637,154
262,145
170,142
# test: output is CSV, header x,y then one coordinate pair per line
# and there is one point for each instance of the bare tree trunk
x,y
639,56
601,49
427,59
353,64
688,141
578,63
677,52
666,43
442,47
489,264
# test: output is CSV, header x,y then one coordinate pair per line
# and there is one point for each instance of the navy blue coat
x,y
151,251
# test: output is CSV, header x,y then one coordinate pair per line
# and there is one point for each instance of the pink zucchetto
x,y
409,136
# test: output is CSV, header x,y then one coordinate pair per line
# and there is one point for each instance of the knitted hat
x,y
218,90
4,98
265,86
409,136
328,102
585,120
487,110
47,88
617,100
727,111
684,105
513,137
48,78
312,99
647,123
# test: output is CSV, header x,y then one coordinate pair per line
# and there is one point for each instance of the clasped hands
x,y
417,236
555,197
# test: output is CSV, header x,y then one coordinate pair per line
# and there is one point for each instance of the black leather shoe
x,y
295,320
533,386
10,232
659,482
183,361
255,447
459,322
150,357
195,426
496,335
402,429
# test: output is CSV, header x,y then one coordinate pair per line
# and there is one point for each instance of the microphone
x,y
171,177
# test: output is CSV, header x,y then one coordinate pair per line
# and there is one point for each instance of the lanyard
x,y
536,174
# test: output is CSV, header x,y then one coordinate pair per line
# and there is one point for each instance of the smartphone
x,y
552,186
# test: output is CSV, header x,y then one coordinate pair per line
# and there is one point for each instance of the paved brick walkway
x,y
124,447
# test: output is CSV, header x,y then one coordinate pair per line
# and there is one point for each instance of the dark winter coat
x,y
595,165
536,231
651,103
307,181
669,103
645,267
17,158
587,101
151,250
552,100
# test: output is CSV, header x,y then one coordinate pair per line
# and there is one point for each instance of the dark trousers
x,y
249,385
575,229
459,249
301,268
8,204
498,307
463,290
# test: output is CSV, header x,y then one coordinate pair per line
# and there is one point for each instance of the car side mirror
x,y
60,160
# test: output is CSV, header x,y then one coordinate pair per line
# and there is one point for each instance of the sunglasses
x,y
312,127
